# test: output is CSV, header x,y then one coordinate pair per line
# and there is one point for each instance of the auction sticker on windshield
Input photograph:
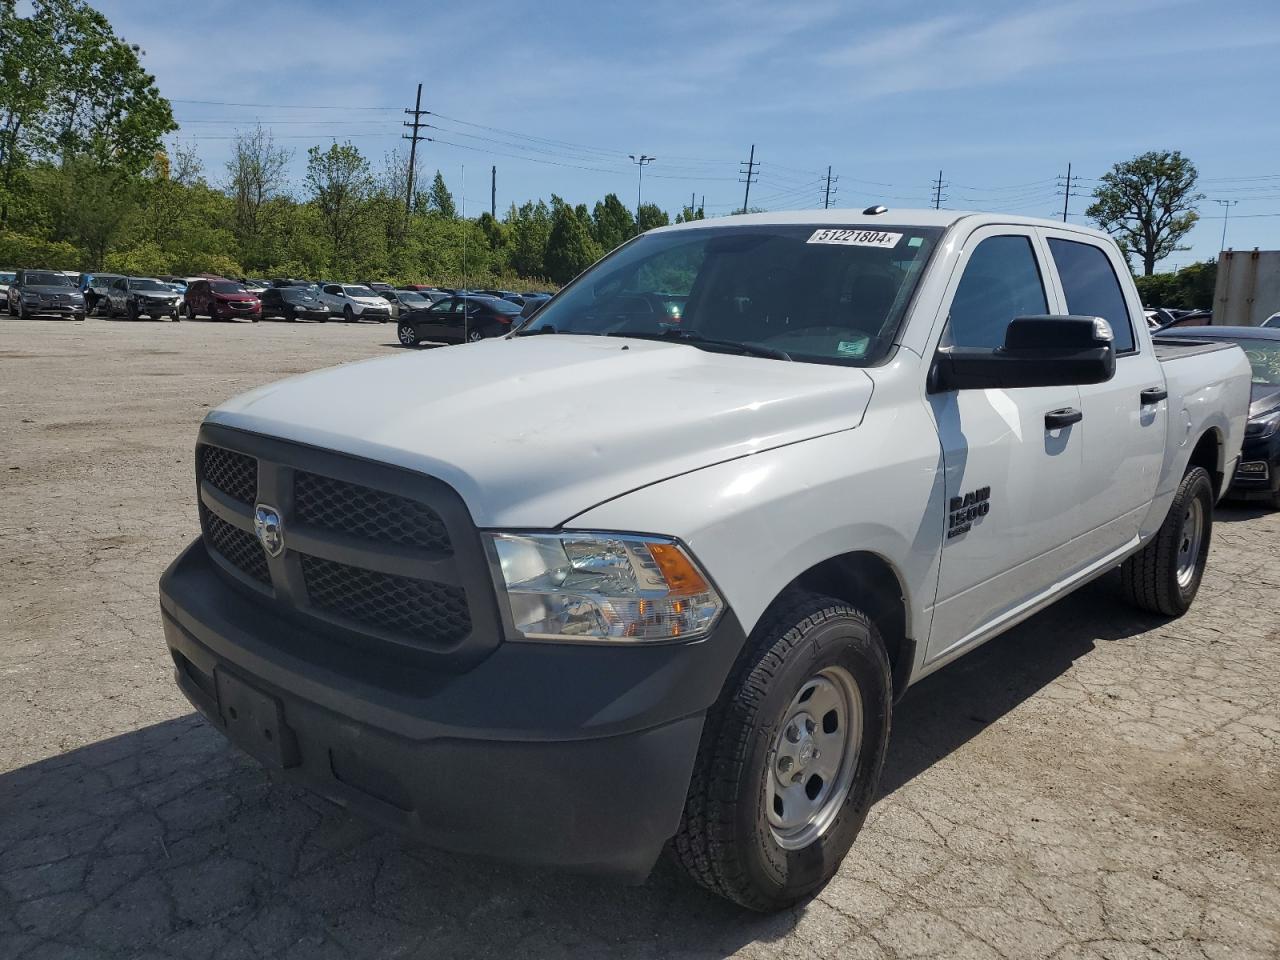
x,y
855,238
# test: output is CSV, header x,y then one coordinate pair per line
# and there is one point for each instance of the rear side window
x,y
1001,281
1092,288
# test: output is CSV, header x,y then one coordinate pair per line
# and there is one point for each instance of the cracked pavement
x,y
1096,783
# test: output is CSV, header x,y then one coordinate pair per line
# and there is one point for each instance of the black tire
x,y
79,316
407,335
130,311
475,336
22,310
1150,578
725,841
348,314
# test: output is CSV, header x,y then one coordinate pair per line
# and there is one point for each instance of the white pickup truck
x,y
655,568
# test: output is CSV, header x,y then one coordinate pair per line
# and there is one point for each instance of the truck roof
x,y
892,216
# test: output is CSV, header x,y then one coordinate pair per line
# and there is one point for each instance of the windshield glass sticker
x,y
964,510
853,348
855,238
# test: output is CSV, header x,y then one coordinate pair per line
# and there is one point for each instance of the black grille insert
x,y
235,474
241,549
433,613
370,514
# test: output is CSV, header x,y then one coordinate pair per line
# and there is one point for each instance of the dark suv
x,y
294,302
44,292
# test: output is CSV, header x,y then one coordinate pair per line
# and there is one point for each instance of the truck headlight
x,y
603,587
1263,427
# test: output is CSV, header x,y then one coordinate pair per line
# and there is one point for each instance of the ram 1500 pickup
x,y
630,578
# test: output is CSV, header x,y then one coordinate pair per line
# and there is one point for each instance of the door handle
x,y
1056,419
1153,395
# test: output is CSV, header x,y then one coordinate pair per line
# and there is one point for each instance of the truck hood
x,y
532,431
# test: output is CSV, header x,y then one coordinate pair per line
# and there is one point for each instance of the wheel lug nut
x,y
784,764
793,733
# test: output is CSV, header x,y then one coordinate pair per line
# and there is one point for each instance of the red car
x,y
221,300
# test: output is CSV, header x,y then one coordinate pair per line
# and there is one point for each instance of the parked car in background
x,y
1257,476
378,286
1191,318
53,293
1272,321
135,297
253,285
94,286
354,302
221,300
6,278
516,298
294,302
404,302
459,320
533,302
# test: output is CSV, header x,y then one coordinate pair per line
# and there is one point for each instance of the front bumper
x,y
575,756
54,310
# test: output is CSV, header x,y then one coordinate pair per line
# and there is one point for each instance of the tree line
x,y
86,183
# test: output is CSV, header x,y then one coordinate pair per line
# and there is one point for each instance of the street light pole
x,y
1226,216
640,161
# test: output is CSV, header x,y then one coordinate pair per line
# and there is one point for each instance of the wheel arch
x,y
1210,452
868,581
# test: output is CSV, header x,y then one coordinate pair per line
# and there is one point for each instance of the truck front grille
x,y
367,513
235,474
238,547
375,554
433,612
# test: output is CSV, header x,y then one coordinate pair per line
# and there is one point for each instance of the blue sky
x,y
998,95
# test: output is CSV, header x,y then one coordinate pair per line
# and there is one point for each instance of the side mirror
x,y
1038,351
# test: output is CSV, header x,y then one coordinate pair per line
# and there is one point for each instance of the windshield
x,y
359,292
41,279
416,299
148,285
809,293
298,293
226,286
1264,357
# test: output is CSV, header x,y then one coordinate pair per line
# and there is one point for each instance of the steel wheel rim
x,y
1189,540
814,757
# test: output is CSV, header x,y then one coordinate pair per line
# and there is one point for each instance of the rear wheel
x,y
475,336
790,755
407,335
1164,576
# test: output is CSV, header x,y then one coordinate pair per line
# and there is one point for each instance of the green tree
x,y
255,176
612,223
1148,204
688,214
570,248
440,200
530,227
339,183
652,215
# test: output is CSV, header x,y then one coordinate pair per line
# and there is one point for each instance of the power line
x,y
276,106
1226,217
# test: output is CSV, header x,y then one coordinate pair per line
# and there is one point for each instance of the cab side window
x,y
1092,288
1001,281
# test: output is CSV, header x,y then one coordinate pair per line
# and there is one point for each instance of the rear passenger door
x,y
1125,429
1012,482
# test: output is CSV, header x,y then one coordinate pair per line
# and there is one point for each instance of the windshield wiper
x,y
698,340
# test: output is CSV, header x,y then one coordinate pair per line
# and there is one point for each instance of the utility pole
x,y
693,202
702,208
1226,215
493,191
828,193
937,192
1066,194
417,113
748,176
640,161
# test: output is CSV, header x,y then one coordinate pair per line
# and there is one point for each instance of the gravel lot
x,y
1095,784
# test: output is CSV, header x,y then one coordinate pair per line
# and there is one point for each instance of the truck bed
x,y
1174,348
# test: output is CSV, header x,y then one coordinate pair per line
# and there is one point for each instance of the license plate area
x,y
255,722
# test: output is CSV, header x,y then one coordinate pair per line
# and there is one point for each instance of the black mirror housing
x,y
1039,351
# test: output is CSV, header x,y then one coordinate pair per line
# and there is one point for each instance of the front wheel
x,y
790,755
1164,575
407,335
475,336
348,314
